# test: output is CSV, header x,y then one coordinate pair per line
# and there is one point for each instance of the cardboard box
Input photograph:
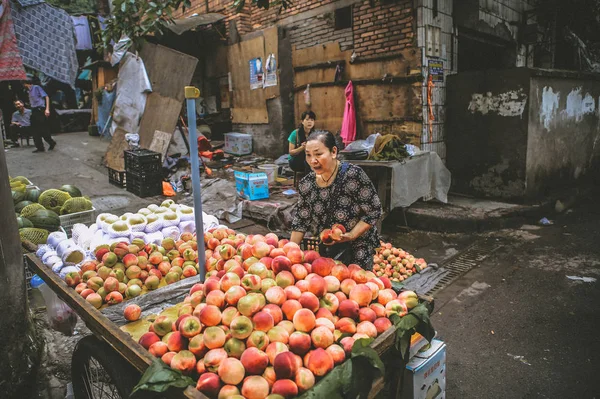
x,y
238,143
425,376
251,186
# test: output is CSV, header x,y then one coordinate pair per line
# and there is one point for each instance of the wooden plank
x,y
328,104
114,157
160,142
131,351
321,53
271,47
250,115
161,113
169,72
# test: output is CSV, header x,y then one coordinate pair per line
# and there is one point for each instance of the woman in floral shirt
x,y
337,192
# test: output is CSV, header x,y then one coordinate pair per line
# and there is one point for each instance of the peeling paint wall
x,y
564,132
487,132
510,103
522,134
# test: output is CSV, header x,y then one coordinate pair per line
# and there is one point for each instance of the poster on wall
x,y
436,70
256,73
271,71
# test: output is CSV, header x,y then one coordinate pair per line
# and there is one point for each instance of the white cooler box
x,y
238,143
425,374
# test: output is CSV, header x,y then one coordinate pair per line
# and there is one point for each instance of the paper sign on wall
x,y
271,71
436,70
256,73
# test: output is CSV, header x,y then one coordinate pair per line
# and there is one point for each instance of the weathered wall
x,y
564,130
440,18
487,132
522,134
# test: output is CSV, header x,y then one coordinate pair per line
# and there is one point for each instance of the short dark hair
x,y
310,114
325,137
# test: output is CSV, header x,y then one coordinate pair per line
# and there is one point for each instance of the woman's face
x,y
319,158
308,123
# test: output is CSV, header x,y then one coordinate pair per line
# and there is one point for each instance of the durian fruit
x,y
119,229
144,211
36,236
29,210
137,222
53,199
170,218
74,205
167,203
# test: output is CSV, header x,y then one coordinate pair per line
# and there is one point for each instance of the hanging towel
x,y
82,33
348,132
46,41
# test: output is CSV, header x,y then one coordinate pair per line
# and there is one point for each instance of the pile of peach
x,y
271,319
396,264
123,270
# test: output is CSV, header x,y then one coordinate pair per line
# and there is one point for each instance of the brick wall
x,y
383,27
377,28
318,30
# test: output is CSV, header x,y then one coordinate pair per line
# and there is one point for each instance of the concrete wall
x,y
487,132
564,130
522,134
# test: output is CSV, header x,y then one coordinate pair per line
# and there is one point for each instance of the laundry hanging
x,y
11,64
45,37
348,132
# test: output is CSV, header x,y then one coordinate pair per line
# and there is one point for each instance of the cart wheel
x,y
98,371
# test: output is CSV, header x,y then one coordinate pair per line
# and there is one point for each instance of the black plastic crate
x,y
117,177
148,186
142,162
311,244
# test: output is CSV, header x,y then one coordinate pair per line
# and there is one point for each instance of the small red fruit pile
x,y
396,264
123,271
271,318
329,236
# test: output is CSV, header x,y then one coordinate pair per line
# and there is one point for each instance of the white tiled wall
x,y
490,11
444,21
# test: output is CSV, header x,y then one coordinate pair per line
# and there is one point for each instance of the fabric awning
x,y
184,24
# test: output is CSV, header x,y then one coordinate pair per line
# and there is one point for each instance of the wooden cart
x,y
109,363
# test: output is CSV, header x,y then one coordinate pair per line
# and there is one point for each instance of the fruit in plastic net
x,y
74,205
36,236
54,199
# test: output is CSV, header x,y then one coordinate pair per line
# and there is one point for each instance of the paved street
x,y
516,326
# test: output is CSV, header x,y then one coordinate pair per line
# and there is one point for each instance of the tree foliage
x,y
138,18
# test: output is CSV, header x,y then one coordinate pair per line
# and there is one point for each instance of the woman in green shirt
x,y
297,141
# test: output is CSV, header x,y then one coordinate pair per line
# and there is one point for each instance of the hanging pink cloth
x,y
348,132
11,64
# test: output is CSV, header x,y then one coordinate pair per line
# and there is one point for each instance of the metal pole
x,y
191,94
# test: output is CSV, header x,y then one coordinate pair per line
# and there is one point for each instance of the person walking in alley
x,y
20,124
40,111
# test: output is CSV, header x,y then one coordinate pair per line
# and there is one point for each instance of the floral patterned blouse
x,y
349,199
